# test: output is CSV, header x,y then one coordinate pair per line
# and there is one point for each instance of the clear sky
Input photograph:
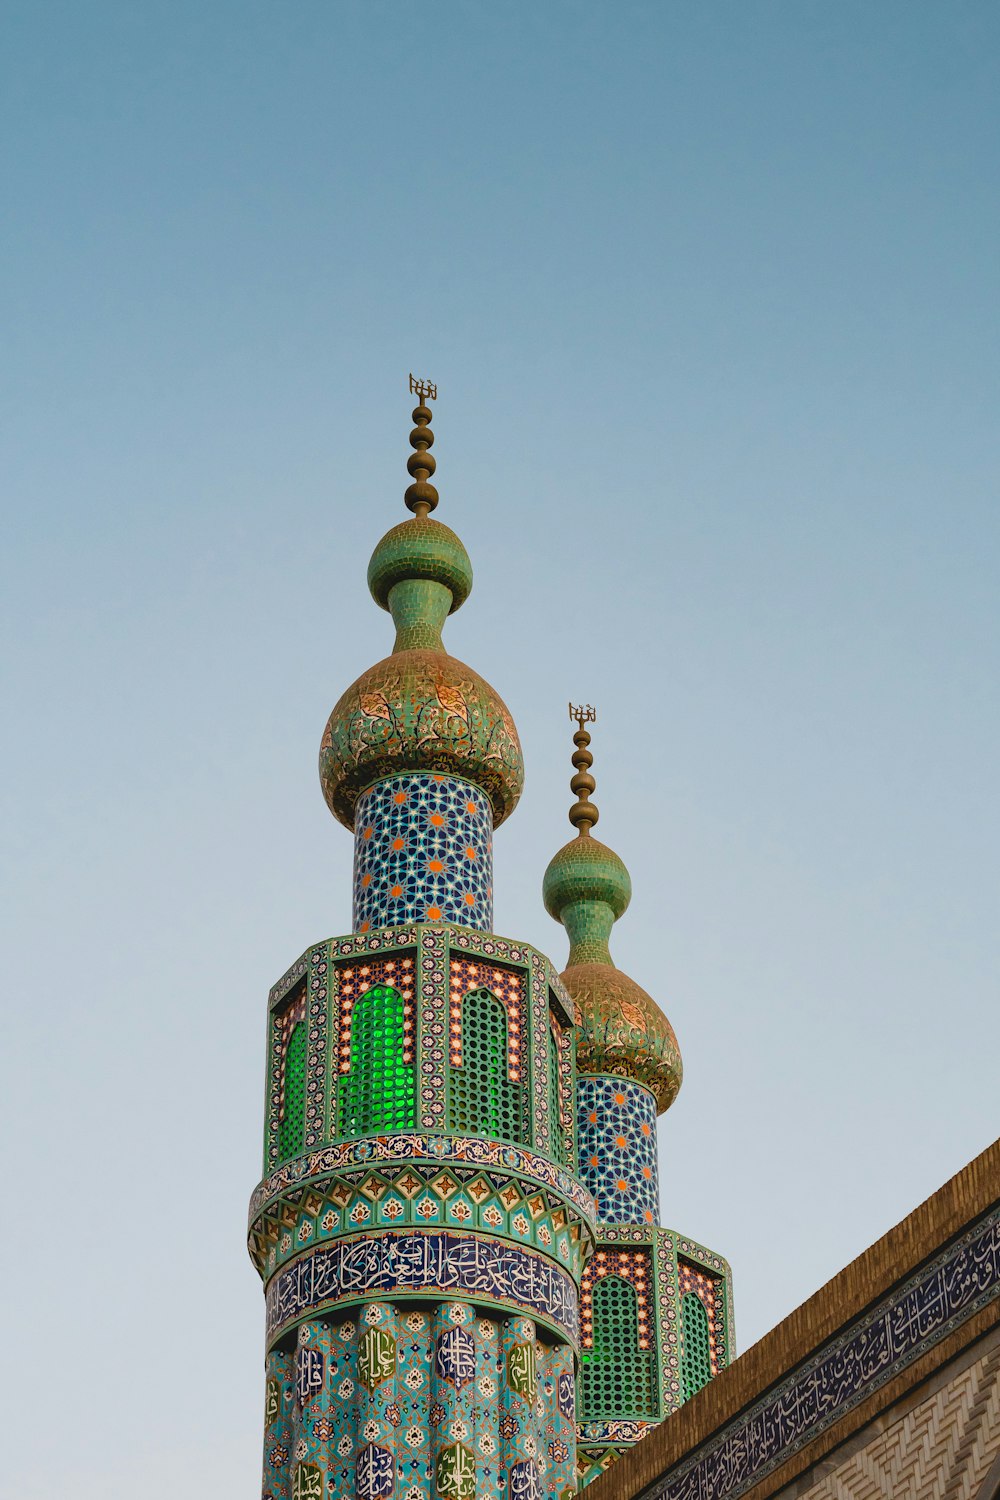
x,y
710,292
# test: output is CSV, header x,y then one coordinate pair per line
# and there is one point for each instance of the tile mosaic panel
x,y
355,980
616,1141
508,985
415,1403
421,1196
423,852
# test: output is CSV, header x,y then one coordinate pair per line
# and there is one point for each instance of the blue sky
x,y
710,293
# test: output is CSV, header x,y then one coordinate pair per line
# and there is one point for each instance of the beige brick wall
x,y
941,1448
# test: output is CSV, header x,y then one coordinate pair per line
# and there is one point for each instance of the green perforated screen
x,y
293,1104
379,1092
696,1359
617,1374
481,1098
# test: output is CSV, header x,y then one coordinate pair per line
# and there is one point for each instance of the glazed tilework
x,y
659,1255
427,1264
632,1266
456,1153
404,1402
419,1194
508,985
423,852
285,1020
342,1194
616,1140
887,1338
355,980
706,1288
422,963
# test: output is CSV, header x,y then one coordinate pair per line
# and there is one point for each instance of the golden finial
x,y
421,497
583,814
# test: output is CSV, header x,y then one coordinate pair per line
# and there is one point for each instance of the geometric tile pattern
x,y
944,1446
461,1156
413,1402
423,852
422,1194
616,1136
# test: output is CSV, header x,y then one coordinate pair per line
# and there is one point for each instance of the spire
x,y
420,572
421,497
587,888
583,814
420,709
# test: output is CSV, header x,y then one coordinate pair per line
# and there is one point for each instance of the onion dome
x,y
587,888
420,709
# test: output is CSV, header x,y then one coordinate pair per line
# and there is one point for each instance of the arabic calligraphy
x,y
308,1373
373,1472
868,1354
376,1357
455,1472
455,1357
524,1481
438,1262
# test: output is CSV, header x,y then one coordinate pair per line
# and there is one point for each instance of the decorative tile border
x,y
421,1195
901,1327
319,1015
423,1264
405,1146
433,1021
621,1430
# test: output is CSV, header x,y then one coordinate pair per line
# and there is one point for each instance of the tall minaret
x,y
420,1229
656,1311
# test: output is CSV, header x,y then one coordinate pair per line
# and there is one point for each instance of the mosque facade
x,y
468,1292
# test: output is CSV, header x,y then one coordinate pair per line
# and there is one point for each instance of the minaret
x,y
420,1229
656,1310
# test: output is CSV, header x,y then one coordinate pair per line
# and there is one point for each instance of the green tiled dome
x,y
420,548
586,870
420,710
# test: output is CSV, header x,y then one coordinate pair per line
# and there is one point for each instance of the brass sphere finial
x,y
583,814
421,497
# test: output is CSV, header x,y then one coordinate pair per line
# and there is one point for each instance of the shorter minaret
x,y
656,1308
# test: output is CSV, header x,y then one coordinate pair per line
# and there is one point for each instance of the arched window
x,y
617,1374
293,1101
696,1356
481,1098
555,1114
379,1092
